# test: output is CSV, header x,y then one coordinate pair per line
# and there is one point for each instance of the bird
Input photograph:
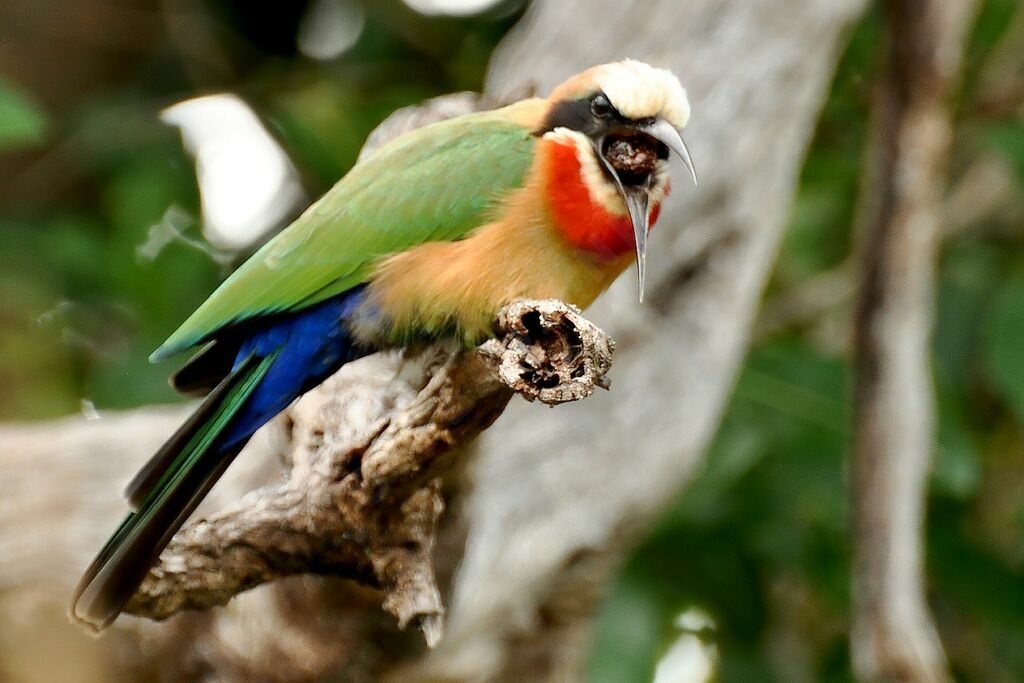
x,y
426,238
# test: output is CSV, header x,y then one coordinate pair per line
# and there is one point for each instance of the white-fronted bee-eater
x,y
428,237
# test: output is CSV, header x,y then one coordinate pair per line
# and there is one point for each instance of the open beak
x,y
637,197
665,133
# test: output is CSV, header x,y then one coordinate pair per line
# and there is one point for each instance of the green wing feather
x,y
432,184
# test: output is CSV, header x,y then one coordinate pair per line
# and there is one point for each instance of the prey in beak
x,y
630,154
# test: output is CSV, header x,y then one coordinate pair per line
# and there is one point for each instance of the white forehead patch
x,y
640,91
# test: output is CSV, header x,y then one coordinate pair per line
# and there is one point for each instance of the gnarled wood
x,y
363,497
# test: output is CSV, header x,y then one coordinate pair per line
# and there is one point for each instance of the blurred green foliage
x,y
21,121
81,304
759,540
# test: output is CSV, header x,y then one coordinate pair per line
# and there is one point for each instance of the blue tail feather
x,y
311,345
275,364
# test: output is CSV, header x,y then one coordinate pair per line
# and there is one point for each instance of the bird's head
x,y
629,115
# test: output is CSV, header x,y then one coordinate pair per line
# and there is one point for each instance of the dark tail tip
x,y
92,620
91,605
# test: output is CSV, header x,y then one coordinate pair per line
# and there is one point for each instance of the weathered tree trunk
x,y
555,499
893,637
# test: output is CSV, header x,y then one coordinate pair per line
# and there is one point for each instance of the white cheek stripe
x,y
603,191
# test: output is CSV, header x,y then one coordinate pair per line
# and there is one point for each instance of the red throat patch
x,y
584,222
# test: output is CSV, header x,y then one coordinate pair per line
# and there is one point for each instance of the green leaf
x,y
1007,140
22,122
1004,344
957,470
626,637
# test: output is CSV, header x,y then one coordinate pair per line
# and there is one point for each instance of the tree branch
x,y
893,637
363,497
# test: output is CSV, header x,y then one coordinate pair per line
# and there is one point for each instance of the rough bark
x,y
893,637
556,497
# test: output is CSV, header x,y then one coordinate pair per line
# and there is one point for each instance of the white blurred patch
x,y
88,409
690,659
329,28
246,182
172,229
452,8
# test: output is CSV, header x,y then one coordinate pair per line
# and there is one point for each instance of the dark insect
x,y
633,158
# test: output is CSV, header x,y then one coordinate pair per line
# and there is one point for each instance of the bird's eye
x,y
600,106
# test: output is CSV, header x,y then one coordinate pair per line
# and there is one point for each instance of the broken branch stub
x,y
363,498
550,352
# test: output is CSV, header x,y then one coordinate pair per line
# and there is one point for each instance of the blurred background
x,y
147,146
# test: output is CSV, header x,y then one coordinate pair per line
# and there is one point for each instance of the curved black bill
x,y
665,133
638,198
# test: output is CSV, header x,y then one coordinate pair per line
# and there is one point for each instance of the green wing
x,y
432,184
